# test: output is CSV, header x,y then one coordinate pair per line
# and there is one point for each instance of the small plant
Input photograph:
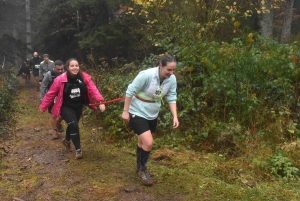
x,y
282,166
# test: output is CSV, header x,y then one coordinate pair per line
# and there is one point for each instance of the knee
x,y
147,145
73,126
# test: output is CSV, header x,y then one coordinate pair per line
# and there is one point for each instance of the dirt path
x,y
37,168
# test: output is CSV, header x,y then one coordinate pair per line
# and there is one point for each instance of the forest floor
x,y
34,167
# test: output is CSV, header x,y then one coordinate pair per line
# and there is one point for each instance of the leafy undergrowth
x,y
36,168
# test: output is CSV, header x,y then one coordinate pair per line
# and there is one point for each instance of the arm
x,y
171,97
95,94
44,86
30,66
173,109
125,114
40,74
135,87
50,95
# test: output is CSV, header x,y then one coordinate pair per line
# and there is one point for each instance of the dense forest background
x,y
129,29
238,65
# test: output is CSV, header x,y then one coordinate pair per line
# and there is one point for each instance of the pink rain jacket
x,y
57,90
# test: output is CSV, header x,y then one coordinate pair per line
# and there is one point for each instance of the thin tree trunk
x,y
17,51
266,19
77,21
287,23
28,29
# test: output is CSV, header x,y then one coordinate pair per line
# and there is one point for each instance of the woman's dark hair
x,y
69,61
164,60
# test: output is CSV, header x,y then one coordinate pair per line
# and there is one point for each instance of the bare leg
x,y
145,141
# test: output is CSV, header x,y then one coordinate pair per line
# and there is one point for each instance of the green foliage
x,y
8,83
244,84
282,166
231,96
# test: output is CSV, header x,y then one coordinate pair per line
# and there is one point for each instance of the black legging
x,y
71,116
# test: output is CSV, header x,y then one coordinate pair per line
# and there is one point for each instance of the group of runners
x,y
36,66
64,94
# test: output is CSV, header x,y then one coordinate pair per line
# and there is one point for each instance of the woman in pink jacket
x,y
72,90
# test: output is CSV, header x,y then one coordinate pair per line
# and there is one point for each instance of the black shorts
x,y
50,107
140,125
35,73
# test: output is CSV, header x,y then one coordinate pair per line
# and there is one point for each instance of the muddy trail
x,y
34,167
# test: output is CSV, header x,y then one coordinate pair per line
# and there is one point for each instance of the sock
x,y
138,157
144,158
78,150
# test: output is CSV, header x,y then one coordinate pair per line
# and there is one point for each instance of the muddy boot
x,y
67,144
145,176
78,154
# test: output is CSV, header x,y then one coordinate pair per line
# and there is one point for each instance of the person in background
x,y
45,86
35,66
142,105
25,71
72,90
45,66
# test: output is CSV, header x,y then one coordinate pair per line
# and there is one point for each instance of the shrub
x,y
230,95
8,83
282,166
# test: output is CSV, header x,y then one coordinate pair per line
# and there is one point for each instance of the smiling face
x,y
73,68
167,71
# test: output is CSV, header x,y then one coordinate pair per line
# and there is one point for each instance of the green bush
x,y
247,84
8,83
230,95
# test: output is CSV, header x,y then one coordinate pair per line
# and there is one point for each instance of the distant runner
x,y
45,66
72,90
142,105
45,86
25,71
35,66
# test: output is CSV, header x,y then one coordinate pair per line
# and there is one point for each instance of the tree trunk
x,y
28,28
287,23
266,19
17,50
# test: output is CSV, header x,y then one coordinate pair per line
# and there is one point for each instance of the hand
x,y
42,111
102,107
125,116
40,83
175,123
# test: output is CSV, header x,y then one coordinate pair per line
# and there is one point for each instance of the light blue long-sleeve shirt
x,y
147,86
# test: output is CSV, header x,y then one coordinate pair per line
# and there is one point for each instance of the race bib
x,y
36,66
75,93
158,92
